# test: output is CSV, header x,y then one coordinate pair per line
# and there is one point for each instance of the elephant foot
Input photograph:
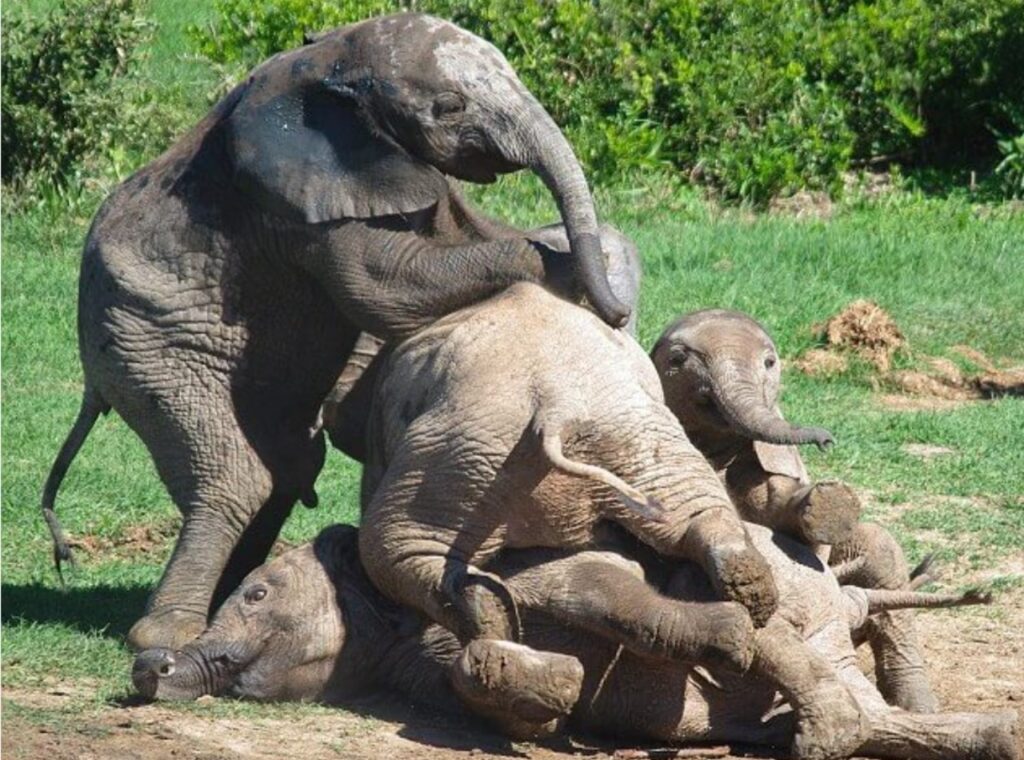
x,y
727,637
830,724
526,692
165,629
744,576
908,689
828,513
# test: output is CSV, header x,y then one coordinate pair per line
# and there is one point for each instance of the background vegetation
x,y
948,267
751,98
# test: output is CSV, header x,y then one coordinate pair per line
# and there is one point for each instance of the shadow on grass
x,y
106,610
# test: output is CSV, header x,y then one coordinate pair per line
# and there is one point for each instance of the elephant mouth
x,y
710,410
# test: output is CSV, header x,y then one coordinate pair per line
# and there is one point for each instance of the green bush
x,y
755,97
69,94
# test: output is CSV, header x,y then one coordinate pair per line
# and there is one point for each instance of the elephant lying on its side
x,y
720,373
310,625
524,421
223,286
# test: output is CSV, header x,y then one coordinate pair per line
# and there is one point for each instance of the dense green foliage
x,y
754,97
69,90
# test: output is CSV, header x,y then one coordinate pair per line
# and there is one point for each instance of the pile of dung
x,y
867,330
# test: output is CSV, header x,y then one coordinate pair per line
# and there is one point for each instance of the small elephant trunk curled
x,y
748,414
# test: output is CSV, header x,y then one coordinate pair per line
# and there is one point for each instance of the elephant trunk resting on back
x,y
309,625
720,372
224,285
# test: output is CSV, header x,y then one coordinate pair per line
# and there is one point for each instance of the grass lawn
x,y
949,273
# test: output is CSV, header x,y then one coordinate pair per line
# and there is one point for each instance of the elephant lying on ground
x,y
720,373
224,285
310,625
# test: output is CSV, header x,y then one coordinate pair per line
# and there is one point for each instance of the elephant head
x,y
366,120
721,375
294,629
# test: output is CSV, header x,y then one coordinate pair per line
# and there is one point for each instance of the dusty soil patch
x,y
926,450
866,329
819,362
975,656
805,204
134,541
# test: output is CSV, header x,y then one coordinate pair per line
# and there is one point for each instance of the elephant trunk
x,y
548,153
185,674
745,410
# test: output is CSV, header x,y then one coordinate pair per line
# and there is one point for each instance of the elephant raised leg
x,y
876,561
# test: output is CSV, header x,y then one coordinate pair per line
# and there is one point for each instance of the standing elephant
x,y
309,625
721,376
224,285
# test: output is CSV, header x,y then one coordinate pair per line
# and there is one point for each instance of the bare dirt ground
x,y
976,658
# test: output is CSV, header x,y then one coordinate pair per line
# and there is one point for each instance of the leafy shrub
x,y
756,97
69,93
1011,168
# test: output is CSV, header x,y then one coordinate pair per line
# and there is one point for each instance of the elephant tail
x,y
647,507
92,407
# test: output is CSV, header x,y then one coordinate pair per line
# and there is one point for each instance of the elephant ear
x,y
305,153
781,460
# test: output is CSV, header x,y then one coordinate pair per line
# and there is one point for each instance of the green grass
x,y
947,273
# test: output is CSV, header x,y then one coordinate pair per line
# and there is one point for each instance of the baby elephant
x,y
720,373
310,625
721,376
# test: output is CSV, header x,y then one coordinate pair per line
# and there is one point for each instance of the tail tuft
x,y
91,408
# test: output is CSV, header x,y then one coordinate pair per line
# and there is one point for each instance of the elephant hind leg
x,y
943,736
828,720
231,509
525,692
600,594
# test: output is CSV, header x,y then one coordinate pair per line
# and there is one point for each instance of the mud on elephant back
x,y
224,285
310,625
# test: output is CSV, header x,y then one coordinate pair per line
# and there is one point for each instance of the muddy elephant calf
x,y
721,373
310,625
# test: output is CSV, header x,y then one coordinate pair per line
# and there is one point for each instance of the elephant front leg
x,y
829,723
817,513
391,283
876,561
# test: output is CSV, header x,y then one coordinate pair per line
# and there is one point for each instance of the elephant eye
x,y
448,104
769,362
678,357
255,594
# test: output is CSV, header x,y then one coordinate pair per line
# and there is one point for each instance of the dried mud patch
x,y
131,543
866,331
